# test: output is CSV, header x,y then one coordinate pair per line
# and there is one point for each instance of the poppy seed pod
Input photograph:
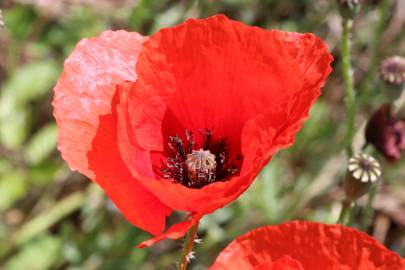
x,y
351,3
349,8
363,170
201,167
386,132
392,70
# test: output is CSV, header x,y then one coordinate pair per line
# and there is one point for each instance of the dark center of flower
x,y
196,165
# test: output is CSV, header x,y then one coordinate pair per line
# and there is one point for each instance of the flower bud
x,y
362,172
386,132
351,3
392,70
349,8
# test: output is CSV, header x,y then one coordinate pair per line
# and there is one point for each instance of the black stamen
x,y
207,139
176,145
230,168
174,167
190,140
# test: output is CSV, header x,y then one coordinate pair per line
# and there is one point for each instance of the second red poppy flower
x,y
303,245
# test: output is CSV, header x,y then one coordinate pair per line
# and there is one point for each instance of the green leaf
x,y
31,81
5,165
28,83
41,254
14,125
46,172
12,188
45,219
19,21
264,194
41,144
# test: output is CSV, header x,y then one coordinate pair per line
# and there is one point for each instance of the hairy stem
x,y
346,205
188,247
383,9
368,210
400,101
347,74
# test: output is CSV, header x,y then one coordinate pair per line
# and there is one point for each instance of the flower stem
x,y
368,210
382,10
347,74
399,102
346,205
188,246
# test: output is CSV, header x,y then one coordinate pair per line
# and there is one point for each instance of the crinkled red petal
x,y
87,121
174,232
138,205
283,263
85,89
248,84
314,246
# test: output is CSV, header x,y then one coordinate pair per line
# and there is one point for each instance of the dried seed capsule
x,y
201,166
363,170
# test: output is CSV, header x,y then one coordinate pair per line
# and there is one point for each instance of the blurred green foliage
x,y
52,218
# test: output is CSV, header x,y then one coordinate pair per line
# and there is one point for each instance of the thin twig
x,y
368,210
383,8
346,205
347,74
188,247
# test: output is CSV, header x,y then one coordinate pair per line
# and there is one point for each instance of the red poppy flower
x,y
185,119
303,245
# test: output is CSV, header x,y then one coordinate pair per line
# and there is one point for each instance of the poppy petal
x,y
85,89
138,205
130,149
283,263
189,77
202,82
279,133
314,246
174,232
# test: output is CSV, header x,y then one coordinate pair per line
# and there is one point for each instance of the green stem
x,y
346,205
368,210
351,214
400,101
347,74
188,246
383,9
